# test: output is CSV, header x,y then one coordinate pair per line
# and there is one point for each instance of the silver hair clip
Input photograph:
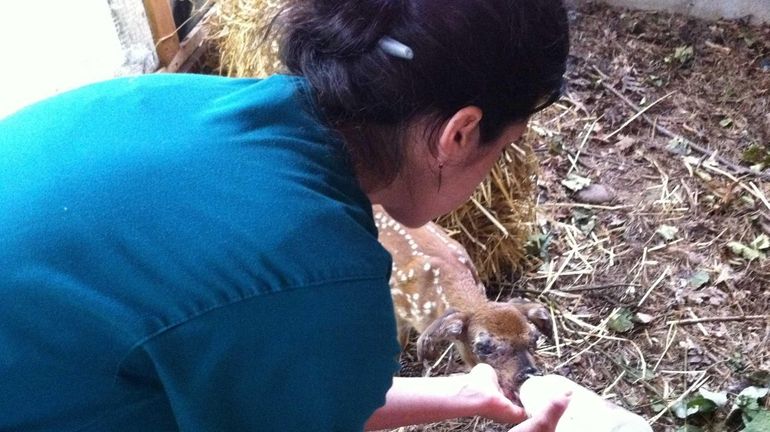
x,y
395,48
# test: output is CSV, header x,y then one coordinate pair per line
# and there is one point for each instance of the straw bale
x,y
496,223
237,30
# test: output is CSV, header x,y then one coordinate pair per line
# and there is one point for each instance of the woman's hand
x,y
413,401
483,384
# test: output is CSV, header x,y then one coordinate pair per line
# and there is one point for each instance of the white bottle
x,y
586,411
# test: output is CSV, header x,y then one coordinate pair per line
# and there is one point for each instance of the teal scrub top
x,y
187,253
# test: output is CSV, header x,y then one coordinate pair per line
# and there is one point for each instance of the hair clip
x,y
395,48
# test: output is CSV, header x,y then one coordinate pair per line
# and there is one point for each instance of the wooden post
x,y
163,29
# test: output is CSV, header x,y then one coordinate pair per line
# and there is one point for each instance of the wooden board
x,y
161,20
191,48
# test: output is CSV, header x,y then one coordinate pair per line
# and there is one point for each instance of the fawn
x,y
436,290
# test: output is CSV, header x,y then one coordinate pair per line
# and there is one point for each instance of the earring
x,y
440,169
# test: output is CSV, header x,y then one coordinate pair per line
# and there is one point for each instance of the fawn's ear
x,y
536,314
449,327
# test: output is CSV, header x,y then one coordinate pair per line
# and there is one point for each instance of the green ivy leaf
x,y
699,279
682,409
748,402
697,404
678,145
749,396
756,155
684,53
702,404
621,321
745,251
760,422
537,245
717,398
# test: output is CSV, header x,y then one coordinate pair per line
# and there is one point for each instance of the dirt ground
x,y
656,273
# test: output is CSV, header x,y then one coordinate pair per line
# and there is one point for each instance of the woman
x,y
197,253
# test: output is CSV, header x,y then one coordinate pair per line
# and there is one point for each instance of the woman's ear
x,y
461,136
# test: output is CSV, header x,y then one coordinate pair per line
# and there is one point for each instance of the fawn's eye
x,y
484,346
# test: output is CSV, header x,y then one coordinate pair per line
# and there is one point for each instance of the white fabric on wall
x,y
50,46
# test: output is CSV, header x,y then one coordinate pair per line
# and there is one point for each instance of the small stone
x,y
643,318
594,194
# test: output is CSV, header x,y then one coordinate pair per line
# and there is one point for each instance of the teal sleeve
x,y
317,358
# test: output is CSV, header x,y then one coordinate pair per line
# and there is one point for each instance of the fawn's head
x,y
500,334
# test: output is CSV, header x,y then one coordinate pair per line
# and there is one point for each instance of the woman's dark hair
x,y
507,57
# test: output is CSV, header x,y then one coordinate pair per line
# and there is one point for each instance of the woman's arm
x,y
424,400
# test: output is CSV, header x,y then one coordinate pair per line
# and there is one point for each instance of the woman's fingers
x,y
494,406
546,420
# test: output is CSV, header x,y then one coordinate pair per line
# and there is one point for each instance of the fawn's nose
x,y
528,372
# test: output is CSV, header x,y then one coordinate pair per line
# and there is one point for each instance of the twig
x,y
751,190
440,359
535,293
491,218
718,319
652,287
670,336
638,377
556,338
553,279
602,327
576,158
586,206
718,47
581,352
612,385
472,238
540,275
662,130
700,326
640,112
598,287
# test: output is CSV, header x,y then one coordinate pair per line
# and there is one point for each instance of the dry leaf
x,y
625,143
668,232
726,273
575,182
